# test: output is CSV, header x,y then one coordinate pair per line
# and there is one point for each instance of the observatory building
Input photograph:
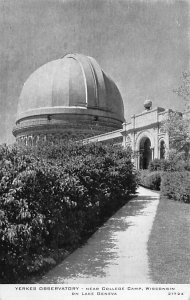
x,y
73,97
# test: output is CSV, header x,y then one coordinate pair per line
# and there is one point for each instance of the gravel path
x,y
117,252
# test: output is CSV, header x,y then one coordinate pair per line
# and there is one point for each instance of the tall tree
x,y
178,130
184,90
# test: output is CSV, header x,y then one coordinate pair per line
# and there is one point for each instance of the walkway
x,y
117,252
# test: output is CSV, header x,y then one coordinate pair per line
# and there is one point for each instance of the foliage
x,y
178,130
174,162
178,161
52,196
151,180
171,188
159,165
184,90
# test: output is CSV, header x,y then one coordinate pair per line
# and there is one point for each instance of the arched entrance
x,y
145,153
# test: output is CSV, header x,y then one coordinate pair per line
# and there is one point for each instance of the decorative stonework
x,y
148,104
142,135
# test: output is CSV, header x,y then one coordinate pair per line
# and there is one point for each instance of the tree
x,y
184,90
178,130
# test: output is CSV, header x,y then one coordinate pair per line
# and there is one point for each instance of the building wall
x,y
146,127
143,134
143,127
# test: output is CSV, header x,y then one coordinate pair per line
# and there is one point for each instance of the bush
x,y
183,165
172,164
151,180
159,165
51,197
176,185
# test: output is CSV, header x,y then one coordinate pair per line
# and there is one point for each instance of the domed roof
x,y
74,83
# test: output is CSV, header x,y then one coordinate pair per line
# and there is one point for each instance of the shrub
x,y
176,185
170,165
151,180
183,165
159,165
52,196
177,161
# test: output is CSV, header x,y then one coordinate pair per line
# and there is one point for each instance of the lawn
x,y
169,243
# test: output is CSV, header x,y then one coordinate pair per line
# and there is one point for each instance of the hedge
x,y
176,186
53,196
151,180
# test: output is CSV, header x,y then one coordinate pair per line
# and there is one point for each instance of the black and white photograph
x,y
94,149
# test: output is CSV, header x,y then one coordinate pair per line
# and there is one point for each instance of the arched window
x,y
145,153
162,149
29,141
35,140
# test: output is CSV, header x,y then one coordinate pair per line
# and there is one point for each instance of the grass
x,y
169,243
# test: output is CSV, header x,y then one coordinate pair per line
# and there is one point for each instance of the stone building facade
x,y
143,134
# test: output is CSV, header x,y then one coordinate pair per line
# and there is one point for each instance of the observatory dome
x,y
69,95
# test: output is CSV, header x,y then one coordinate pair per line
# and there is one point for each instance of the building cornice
x,y
140,128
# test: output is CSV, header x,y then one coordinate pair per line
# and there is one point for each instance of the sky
x,y
142,45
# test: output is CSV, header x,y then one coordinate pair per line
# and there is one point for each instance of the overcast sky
x,y
142,45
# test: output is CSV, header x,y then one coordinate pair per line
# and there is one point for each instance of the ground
x,y
146,241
